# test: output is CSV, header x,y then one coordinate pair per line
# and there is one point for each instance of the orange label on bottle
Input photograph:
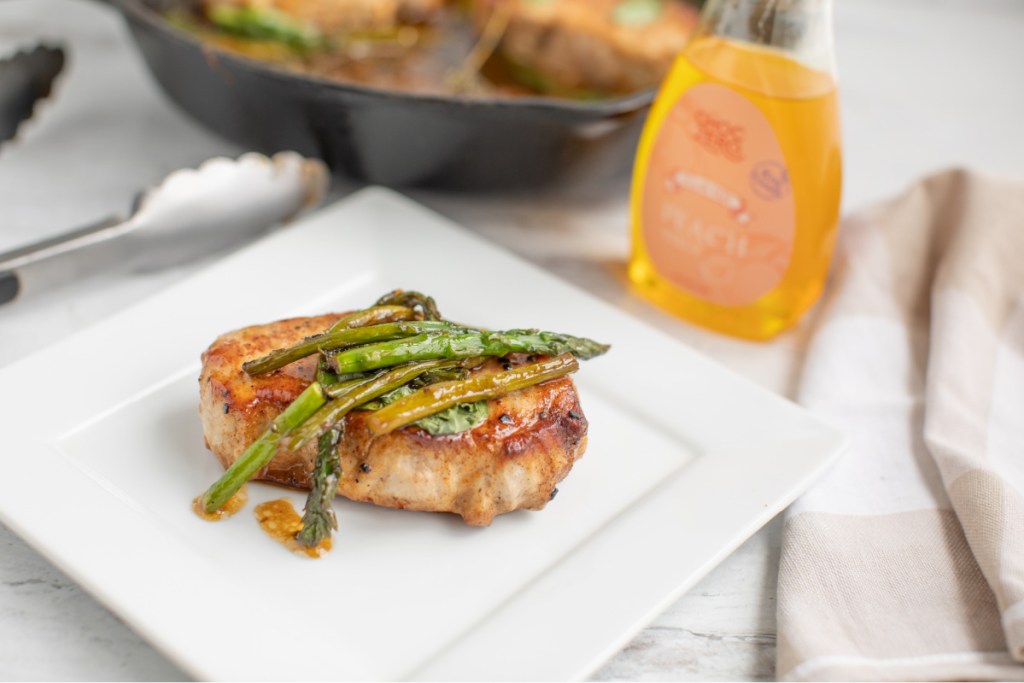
x,y
718,215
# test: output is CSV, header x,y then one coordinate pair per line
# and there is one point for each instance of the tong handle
x,y
15,263
9,287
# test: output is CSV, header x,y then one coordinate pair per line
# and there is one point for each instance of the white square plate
x,y
104,453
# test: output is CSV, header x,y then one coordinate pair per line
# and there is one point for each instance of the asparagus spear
x,y
415,300
332,412
461,344
262,450
373,316
318,517
369,316
342,338
265,24
428,377
434,398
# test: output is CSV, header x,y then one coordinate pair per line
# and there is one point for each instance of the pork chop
x,y
514,459
583,45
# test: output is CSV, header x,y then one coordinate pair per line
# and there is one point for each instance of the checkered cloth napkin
x,y
907,561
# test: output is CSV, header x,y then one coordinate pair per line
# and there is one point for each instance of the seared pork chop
x,y
582,45
514,459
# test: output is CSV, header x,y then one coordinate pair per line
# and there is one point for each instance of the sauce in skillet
x,y
449,55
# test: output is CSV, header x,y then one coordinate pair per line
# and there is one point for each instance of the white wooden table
x,y
925,84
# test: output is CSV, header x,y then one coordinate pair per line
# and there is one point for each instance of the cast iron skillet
x,y
380,136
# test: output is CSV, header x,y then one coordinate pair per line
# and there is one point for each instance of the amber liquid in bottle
x,y
732,230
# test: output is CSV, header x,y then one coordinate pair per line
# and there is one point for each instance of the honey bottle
x,y
737,179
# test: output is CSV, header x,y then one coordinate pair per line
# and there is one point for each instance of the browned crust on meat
x,y
513,460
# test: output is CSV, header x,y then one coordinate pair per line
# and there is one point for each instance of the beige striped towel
x,y
907,561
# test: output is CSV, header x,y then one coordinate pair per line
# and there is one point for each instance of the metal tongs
x,y
192,213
